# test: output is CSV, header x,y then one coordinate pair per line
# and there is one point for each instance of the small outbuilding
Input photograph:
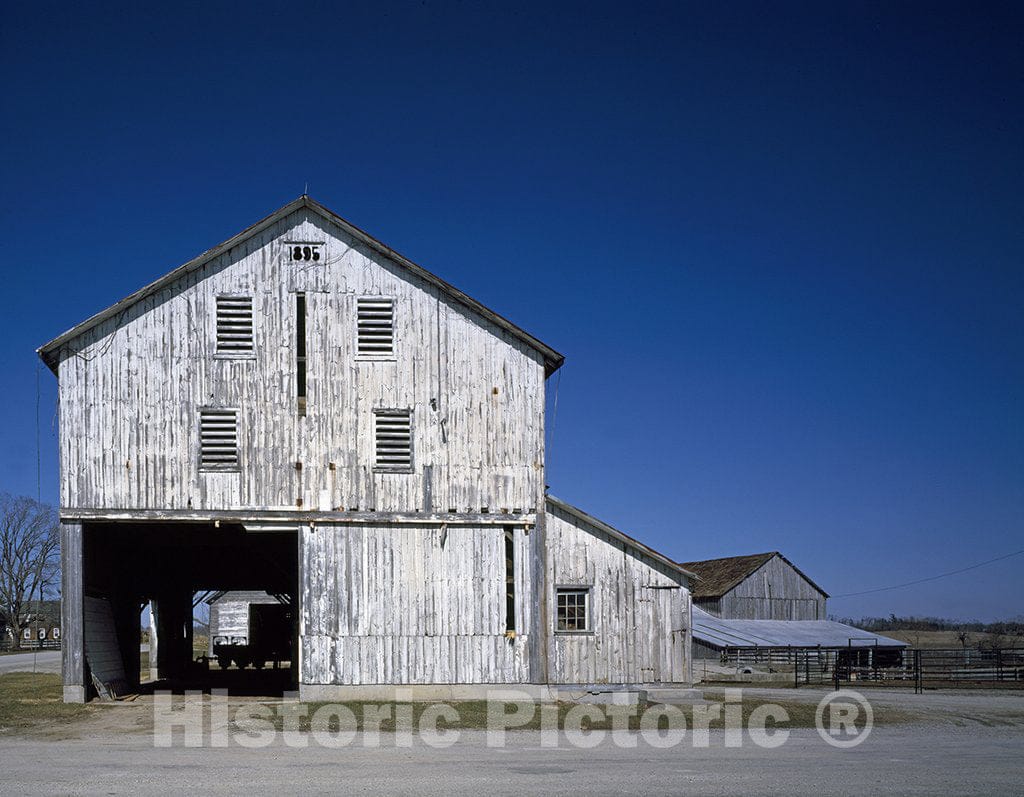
x,y
238,618
763,586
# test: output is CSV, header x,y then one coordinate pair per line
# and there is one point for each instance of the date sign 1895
x,y
306,253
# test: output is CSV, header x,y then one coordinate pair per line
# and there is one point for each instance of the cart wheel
x,y
223,662
258,664
242,663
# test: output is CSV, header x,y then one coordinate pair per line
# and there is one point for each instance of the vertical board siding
x,y
789,595
639,610
131,389
411,604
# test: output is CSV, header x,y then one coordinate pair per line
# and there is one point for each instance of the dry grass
x,y
472,715
34,700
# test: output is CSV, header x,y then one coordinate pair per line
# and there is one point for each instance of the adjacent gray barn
x,y
764,586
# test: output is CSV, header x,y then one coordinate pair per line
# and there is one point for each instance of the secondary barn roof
x,y
50,352
719,576
721,633
621,536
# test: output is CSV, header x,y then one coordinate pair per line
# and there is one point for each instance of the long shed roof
x,y
721,633
621,536
50,352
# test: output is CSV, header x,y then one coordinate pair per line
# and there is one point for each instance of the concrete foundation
x,y
416,693
600,694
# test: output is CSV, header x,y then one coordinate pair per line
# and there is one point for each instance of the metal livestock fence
x,y
922,668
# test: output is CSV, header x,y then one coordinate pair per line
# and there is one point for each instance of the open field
x,y
949,640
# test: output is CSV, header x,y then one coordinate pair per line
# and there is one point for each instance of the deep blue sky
x,y
781,247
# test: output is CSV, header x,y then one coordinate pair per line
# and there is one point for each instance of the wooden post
x,y
540,653
298,605
154,642
173,621
72,613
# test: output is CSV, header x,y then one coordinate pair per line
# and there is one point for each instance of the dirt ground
x,y
956,743
934,709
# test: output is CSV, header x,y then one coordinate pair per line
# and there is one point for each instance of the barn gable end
x,y
763,586
304,412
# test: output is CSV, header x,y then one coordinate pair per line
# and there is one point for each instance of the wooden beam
x,y
243,516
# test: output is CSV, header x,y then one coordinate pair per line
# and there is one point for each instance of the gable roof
x,y
718,576
50,352
622,537
241,596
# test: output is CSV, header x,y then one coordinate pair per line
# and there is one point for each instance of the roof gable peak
x,y
50,352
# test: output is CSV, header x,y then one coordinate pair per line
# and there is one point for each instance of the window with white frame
x,y
572,609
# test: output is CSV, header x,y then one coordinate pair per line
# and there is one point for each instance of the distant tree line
x,y
1000,634
29,561
894,623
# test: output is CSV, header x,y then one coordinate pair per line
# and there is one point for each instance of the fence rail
x,y
922,668
28,645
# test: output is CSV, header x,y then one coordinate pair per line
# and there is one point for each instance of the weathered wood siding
x,y
639,610
131,389
413,605
775,591
102,651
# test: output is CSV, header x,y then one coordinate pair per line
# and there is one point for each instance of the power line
x,y
39,448
931,578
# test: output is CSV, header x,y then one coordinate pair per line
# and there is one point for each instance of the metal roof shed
x,y
719,633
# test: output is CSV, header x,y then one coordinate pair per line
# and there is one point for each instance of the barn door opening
x,y
157,594
661,638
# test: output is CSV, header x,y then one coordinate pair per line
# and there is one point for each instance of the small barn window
x,y
376,326
573,609
300,351
234,325
510,580
392,434
218,439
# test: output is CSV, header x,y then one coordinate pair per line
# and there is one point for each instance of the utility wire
x,y
931,578
554,421
39,448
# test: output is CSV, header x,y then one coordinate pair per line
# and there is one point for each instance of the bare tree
x,y
29,558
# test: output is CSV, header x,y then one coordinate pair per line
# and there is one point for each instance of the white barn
x,y
303,411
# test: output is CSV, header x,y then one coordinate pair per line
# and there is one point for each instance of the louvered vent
x,y
376,326
234,324
393,438
218,439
